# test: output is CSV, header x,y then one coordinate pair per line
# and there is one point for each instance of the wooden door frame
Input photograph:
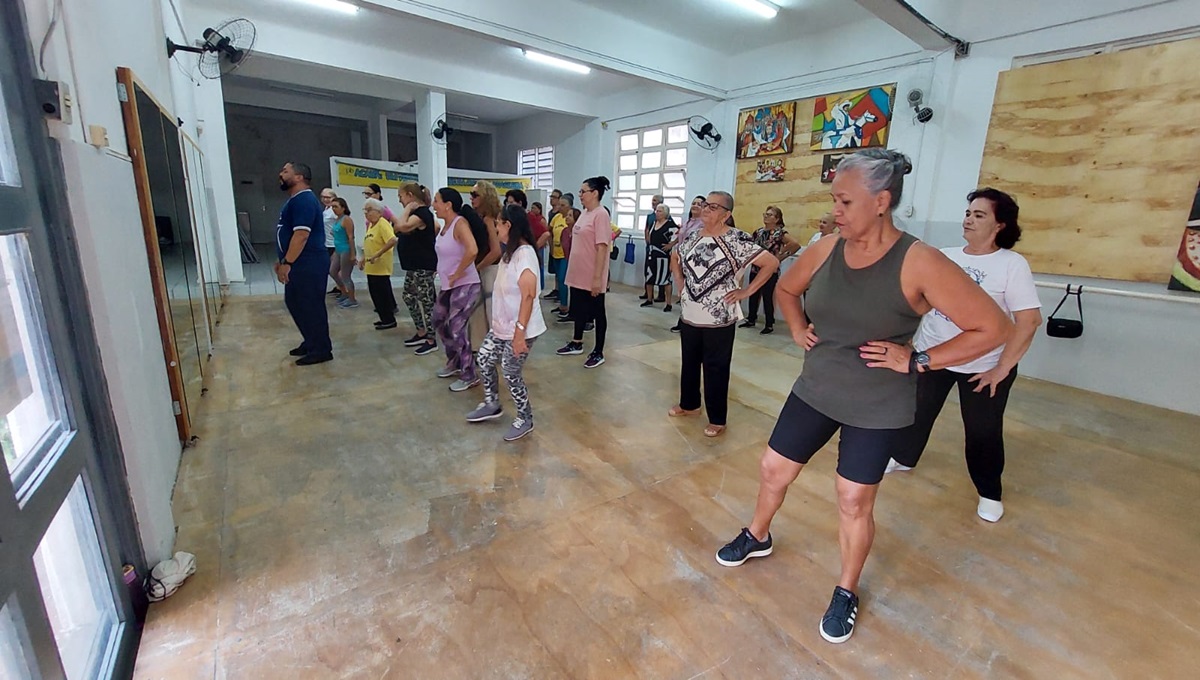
x,y
158,282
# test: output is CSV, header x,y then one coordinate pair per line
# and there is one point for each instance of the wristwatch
x,y
918,362
284,261
520,325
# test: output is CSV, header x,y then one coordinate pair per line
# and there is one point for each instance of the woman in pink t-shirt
x,y
587,277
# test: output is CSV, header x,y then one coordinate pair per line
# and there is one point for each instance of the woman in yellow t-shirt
x,y
377,263
558,260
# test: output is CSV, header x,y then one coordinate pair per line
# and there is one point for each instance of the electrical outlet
x,y
54,98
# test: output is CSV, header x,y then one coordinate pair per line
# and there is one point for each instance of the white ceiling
x,y
727,28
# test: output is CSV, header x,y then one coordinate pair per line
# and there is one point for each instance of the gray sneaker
x,y
485,411
520,428
461,385
447,372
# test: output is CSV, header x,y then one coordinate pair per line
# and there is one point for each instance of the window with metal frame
x,y
538,165
650,160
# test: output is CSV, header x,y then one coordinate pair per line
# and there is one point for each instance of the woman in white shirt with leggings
x,y
991,230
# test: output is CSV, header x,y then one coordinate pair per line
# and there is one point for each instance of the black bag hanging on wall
x,y
1066,328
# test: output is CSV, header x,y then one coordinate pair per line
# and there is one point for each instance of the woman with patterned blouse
x,y
709,263
774,239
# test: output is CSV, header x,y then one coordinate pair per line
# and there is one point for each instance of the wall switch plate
x,y
98,136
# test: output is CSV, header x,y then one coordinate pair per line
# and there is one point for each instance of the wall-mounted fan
x,y
225,47
441,131
703,133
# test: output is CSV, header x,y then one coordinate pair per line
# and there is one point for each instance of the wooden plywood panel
x,y
1103,156
801,196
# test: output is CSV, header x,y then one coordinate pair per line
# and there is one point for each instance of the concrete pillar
x,y
377,136
356,147
431,153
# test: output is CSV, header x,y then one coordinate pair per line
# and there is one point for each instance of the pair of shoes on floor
x,y
485,411
312,359
462,385
166,576
837,624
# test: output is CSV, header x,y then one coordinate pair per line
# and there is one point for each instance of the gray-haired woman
x,y
864,296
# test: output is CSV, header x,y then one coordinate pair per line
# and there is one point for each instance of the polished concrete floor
x,y
348,524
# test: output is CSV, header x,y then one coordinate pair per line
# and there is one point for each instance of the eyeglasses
x,y
367,194
474,195
587,191
713,206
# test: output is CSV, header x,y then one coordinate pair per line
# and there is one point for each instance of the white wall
x,y
92,40
947,154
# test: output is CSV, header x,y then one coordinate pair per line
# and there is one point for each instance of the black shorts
x,y
331,251
863,454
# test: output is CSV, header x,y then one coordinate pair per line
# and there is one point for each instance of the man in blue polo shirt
x,y
303,264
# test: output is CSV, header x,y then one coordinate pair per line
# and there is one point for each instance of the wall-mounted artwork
x,y
766,131
829,165
852,120
770,170
1186,273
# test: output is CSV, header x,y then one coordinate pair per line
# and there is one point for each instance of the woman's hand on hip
x,y
806,337
883,354
735,296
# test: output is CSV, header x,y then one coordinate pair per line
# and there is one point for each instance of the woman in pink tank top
x,y
460,290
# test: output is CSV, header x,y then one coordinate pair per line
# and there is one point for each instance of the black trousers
x,y
983,421
304,295
383,297
584,308
767,295
707,351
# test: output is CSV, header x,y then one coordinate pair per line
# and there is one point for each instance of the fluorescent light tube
x,y
333,5
556,62
762,8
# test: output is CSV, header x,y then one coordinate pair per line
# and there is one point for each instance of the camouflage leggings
x,y
493,351
418,296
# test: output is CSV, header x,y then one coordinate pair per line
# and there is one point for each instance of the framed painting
x,y
766,131
829,164
854,119
770,170
1186,273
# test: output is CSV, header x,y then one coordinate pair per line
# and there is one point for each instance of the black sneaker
x,y
647,303
677,327
564,319
570,348
426,348
736,552
551,295
594,359
385,326
748,323
312,359
641,297
416,341
767,330
589,327
838,623
334,291
298,352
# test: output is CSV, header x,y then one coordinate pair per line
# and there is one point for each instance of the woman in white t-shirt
x,y
991,230
516,323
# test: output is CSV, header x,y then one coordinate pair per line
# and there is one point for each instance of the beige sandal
x,y
714,430
678,411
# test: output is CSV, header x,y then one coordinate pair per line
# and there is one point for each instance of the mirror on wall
x,y
212,267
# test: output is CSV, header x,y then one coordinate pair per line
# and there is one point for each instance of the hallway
x,y
348,524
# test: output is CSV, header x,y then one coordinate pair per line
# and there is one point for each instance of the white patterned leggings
x,y
495,350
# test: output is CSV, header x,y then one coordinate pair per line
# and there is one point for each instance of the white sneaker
x,y
893,466
989,509
168,575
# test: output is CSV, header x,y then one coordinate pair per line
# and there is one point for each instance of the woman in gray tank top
x,y
853,301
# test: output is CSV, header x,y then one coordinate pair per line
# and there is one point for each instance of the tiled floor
x,y
348,524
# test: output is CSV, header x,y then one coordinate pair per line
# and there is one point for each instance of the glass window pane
x,y
625,202
629,162
677,157
651,159
652,137
8,153
677,134
625,220
627,183
645,202
675,203
15,653
31,405
75,588
674,180
649,181
629,142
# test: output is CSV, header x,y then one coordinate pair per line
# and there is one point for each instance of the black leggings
x,y
383,297
585,308
767,295
983,420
